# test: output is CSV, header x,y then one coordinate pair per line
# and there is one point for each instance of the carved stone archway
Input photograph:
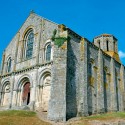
x,y
44,91
23,92
5,94
26,93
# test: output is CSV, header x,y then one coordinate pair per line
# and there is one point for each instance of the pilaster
x,y
113,86
100,84
122,88
38,44
35,87
42,49
83,80
16,52
33,98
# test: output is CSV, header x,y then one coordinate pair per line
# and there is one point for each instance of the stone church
x,y
51,68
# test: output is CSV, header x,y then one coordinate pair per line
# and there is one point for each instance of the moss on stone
x,y
59,41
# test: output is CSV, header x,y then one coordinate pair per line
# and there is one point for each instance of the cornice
x,y
26,69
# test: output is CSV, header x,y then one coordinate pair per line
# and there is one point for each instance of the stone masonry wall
x,y
73,59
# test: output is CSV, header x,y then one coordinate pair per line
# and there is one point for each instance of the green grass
x,y
107,116
17,113
100,117
16,117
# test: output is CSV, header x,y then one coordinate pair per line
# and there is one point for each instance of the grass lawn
x,y
14,117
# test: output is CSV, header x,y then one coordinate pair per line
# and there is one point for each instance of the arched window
x,y
114,46
107,42
99,43
48,53
29,40
9,64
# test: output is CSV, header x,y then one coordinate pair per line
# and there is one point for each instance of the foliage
x,y
59,41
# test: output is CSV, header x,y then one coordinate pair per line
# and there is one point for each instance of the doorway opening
x,y
26,93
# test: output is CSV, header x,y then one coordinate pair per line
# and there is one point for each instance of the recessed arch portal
x,y
5,94
44,90
26,93
23,93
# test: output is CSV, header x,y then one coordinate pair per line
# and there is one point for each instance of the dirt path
x,y
43,116
78,121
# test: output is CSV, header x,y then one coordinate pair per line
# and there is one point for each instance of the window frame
x,y
48,52
9,65
28,44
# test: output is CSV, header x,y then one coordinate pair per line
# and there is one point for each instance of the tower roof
x,y
105,35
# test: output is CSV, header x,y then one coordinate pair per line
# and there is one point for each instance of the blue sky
x,y
89,18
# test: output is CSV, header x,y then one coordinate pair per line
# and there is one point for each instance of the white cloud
x,y
121,54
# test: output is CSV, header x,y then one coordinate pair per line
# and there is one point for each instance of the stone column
x,y
113,86
15,92
11,90
122,88
33,97
83,80
36,87
14,98
57,103
100,84
1,101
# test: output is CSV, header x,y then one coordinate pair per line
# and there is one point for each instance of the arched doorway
x,y
23,92
46,94
5,97
26,93
44,91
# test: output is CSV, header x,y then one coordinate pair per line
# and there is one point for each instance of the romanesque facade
x,y
49,67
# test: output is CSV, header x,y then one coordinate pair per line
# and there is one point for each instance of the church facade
x,y
51,68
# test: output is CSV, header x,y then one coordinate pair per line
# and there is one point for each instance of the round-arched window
x,y
9,61
48,52
29,40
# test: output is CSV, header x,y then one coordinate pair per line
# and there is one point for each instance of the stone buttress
x,y
57,104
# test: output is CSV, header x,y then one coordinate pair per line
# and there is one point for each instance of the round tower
x,y
108,43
